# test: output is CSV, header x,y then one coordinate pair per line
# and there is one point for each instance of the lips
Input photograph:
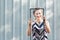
x,y
38,16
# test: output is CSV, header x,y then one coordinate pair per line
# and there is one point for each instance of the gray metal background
x,y
14,15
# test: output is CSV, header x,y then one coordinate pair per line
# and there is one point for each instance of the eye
x,y
39,13
36,13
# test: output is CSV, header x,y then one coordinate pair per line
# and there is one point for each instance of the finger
x,y
44,18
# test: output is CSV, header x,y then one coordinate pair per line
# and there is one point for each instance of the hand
x,y
44,19
29,22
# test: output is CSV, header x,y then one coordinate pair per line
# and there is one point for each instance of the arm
x,y
29,28
47,26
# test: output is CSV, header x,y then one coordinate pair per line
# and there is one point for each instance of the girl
x,y
38,27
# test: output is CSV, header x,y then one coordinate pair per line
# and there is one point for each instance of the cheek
x,y
34,15
41,15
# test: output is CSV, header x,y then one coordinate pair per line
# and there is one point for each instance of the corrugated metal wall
x,y
14,15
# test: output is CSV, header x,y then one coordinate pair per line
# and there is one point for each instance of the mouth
x,y
38,16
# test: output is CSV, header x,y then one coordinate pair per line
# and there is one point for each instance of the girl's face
x,y
38,13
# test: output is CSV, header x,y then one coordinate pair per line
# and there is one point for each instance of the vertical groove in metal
x,y
54,18
0,18
20,19
5,18
13,19
36,3
54,21
45,9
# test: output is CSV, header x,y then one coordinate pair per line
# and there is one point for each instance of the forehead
x,y
39,11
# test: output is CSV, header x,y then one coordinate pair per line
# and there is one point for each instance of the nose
x,y
38,14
